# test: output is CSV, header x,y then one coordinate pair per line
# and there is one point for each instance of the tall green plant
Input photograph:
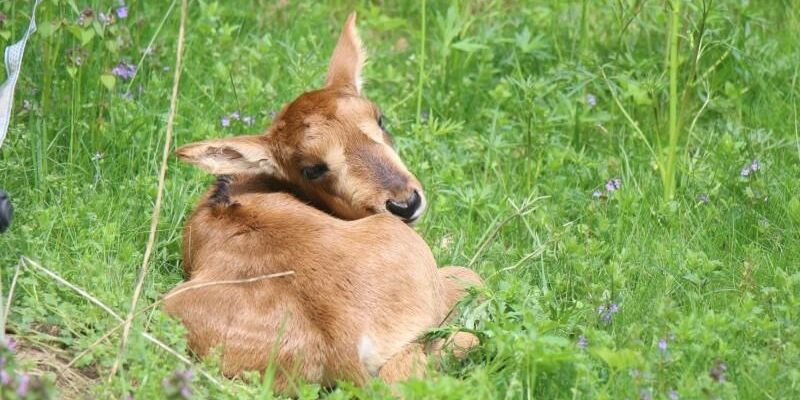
x,y
669,168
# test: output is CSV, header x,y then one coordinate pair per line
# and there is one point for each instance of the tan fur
x,y
365,285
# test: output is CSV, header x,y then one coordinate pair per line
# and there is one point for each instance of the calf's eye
x,y
314,172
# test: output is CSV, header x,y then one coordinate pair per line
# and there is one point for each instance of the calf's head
x,y
330,144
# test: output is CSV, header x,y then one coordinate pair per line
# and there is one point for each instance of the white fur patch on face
x,y
368,355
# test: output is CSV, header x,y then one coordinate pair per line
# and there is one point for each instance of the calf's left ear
x,y
232,156
348,58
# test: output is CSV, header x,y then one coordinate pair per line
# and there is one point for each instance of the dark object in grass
x,y
6,211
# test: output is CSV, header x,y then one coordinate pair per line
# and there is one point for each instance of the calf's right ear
x,y
231,156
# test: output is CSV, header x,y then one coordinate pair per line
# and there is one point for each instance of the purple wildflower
x,y
703,198
5,378
11,344
591,100
235,115
662,345
717,372
673,395
85,16
607,311
23,382
124,70
749,169
582,342
225,121
247,120
179,384
597,194
122,12
613,185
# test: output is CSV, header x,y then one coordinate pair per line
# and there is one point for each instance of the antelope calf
x,y
324,194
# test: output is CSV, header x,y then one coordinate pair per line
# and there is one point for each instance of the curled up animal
x,y
325,195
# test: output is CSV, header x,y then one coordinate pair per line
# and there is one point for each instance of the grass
x,y
493,104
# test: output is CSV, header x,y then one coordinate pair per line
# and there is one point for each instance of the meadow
x,y
623,174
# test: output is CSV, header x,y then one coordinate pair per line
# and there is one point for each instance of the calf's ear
x,y
348,58
231,156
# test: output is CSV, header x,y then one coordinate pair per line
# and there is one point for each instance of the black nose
x,y
405,209
6,211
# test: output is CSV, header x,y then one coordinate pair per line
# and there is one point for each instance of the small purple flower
x,y
703,198
613,185
591,100
751,168
10,344
235,115
597,194
717,372
5,378
225,121
122,12
23,382
607,311
179,384
247,120
582,342
673,395
85,15
662,345
124,70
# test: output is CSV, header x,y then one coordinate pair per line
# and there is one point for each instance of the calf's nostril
x,y
405,209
